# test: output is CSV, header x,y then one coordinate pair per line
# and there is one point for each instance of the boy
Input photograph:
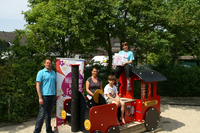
x,y
111,96
128,58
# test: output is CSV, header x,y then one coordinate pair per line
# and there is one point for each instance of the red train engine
x,y
96,116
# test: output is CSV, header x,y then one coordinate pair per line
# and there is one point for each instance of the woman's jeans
x,y
45,110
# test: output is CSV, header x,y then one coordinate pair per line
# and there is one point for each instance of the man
x,y
46,88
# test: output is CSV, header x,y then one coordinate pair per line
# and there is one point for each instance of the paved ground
x,y
179,115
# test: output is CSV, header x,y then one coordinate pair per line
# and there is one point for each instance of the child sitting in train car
x,y
111,96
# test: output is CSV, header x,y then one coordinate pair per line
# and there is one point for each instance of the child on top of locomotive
x,y
111,96
127,60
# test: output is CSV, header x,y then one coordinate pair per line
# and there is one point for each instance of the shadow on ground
x,y
13,128
168,124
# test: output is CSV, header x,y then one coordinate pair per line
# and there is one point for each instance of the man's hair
x,y
111,77
125,43
48,58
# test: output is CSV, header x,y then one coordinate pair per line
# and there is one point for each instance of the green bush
x,y
17,84
181,81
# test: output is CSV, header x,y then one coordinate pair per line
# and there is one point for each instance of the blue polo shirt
x,y
47,80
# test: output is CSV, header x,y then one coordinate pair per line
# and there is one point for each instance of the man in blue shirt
x,y
127,60
46,88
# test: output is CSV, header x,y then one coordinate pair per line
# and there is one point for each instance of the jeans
x,y
45,110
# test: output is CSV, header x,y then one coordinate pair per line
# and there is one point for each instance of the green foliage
x,y
63,26
17,83
3,53
153,26
160,61
83,26
181,81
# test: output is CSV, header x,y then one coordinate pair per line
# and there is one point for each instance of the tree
x,y
71,26
59,25
158,26
184,23
83,26
104,11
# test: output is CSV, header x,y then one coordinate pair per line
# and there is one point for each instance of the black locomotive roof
x,y
148,75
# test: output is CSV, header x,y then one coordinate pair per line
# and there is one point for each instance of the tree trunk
x,y
198,59
8,109
109,52
62,47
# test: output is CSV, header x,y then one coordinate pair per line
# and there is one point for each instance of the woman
x,y
93,83
127,60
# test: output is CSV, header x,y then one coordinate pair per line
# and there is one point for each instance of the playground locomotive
x,y
96,116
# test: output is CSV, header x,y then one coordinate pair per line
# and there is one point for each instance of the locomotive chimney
x,y
75,107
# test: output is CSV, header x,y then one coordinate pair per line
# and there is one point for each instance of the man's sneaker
x,y
128,88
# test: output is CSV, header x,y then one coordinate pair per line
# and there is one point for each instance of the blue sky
x,y
10,14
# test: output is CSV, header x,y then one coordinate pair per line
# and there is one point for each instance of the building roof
x,y
10,36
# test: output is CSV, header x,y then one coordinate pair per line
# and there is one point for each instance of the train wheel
x,y
97,131
151,119
113,129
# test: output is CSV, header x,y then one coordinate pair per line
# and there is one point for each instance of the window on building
x,y
116,43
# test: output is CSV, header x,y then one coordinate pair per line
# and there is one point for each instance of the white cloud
x,y
12,9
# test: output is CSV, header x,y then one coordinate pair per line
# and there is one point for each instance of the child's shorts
x,y
110,100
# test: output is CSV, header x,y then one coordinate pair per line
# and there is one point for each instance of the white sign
x,y
63,70
118,59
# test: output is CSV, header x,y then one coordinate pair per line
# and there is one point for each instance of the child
x,y
111,96
128,58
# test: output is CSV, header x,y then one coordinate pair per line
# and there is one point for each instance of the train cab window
x,y
137,89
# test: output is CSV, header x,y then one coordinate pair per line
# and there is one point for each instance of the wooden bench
x,y
125,100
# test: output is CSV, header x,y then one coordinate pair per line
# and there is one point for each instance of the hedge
x,y
17,89
181,81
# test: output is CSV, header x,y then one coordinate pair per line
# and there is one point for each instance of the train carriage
x,y
96,116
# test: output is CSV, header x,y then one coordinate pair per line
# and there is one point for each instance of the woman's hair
x,y
94,68
111,77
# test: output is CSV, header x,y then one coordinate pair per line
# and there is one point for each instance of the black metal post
x,y
75,107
